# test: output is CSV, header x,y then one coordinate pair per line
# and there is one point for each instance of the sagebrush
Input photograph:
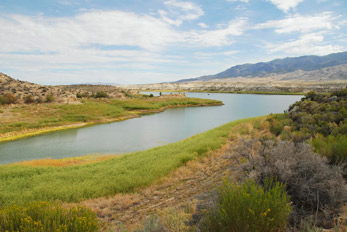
x,y
315,187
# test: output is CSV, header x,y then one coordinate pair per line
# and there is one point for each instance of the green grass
x,y
31,117
22,184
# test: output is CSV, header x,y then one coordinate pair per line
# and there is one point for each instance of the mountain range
x,y
288,69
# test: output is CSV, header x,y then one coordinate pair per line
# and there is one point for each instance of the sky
x,y
151,41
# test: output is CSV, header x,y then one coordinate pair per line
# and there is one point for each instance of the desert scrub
x,y
277,123
171,219
8,99
315,187
50,98
47,217
332,147
320,119
101,94
249,208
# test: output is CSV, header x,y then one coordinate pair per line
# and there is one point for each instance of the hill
x,y
21,90
307,68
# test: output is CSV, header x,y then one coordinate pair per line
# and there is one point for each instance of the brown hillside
x,y
23,89
61,94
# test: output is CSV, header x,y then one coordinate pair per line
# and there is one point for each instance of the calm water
x,y
145,132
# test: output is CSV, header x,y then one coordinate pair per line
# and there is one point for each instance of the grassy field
x,y
31,119
23,183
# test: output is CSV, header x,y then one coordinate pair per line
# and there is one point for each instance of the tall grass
x,y
334,147
47,217
21,184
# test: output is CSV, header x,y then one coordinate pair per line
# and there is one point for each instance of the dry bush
x,y
170,219
29,99
316,189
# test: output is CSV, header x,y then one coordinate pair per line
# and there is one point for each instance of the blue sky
x,y
150,41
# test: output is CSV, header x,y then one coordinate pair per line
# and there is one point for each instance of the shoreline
x,y
132,114
219,91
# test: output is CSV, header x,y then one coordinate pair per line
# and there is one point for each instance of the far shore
x,y
127,114
220,91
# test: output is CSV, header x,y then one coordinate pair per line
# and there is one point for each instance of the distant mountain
x,y
278,67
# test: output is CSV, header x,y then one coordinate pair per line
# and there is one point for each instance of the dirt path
x,y
191,183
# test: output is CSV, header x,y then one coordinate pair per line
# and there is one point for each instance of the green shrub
x,y
310,95
277,123
29,99
47,217
79,95
8,99
151,95
50,98
249,207
332,147
101,95
341,93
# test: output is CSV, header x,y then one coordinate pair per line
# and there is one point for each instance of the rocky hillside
x,y
307,68
22,90
89,90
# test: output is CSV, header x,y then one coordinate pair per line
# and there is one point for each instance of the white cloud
x,y
203,25
111,41
285,5
218,37
299,23
179,11
24,33
312,43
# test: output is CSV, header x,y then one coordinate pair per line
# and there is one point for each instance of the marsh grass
x,y
78,160
22,184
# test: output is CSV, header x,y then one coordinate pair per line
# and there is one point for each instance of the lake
x,y
145,132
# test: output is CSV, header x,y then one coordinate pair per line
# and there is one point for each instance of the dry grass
x,y
88,159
